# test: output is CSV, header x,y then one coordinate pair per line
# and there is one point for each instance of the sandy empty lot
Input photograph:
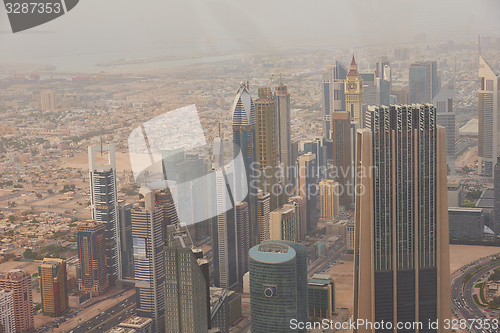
x,y
81,160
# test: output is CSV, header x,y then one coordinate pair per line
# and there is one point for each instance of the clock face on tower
x,y
351,86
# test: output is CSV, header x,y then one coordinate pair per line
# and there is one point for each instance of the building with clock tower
x,y
354,93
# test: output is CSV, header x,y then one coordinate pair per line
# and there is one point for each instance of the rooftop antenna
x,y
280,79
455,69
101,141
270,83
219,129
479,45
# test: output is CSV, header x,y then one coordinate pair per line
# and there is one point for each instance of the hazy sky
x,y
122,28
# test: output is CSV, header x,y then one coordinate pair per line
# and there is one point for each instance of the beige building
x,y
401,255
329,199
455,191
48,100
354,93
283,223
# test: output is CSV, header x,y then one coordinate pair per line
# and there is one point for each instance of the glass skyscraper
x,y
104,205
149,259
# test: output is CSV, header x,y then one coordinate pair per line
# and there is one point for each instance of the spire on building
x,y
353,68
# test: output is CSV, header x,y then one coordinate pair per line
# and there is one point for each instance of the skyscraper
x,y
329,191
186,289
53,286
92,275
283,131
104,205
424,81
242,238
7,322
244,141
306,186
488,118
48,100
301,208
383,81
401,267
278,286
224,233
149,259
354,93
496,212
127,250
333,94
263,210
342,159
443,102
267,158
19,281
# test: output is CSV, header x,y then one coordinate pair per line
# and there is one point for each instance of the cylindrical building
x,y
278,285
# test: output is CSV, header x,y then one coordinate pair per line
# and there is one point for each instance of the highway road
x,y
462,296
326,261
108,318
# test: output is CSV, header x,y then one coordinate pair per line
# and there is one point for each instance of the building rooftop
x,y
271,252
120,330
465,209
136,322
486,200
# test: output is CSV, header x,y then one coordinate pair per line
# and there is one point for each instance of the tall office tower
x,y
244,141
48,100
219,309
104,205
283,131
283,223
265,110
383,81
496,213
217,153
329,192
263,211
224,233
92,275
278,286
401,255
318,147
187,304
488,114
424,81
301,207
53,286
321,296
187,171
7,321
242,238
333,94
307,187
124,216
354,93
342,168
164,200
149,259
443,102
19,281
295,155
